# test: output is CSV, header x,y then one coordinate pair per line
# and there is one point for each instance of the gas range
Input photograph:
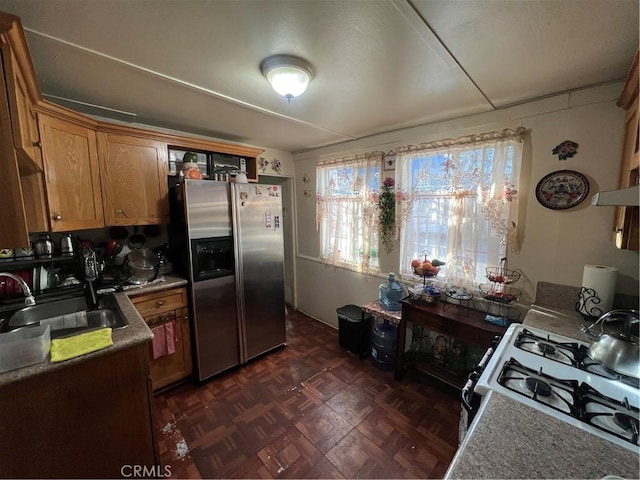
x,y
552,373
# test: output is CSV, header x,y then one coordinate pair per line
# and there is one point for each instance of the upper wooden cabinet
x,y
13,222
26,137
71,174
626,219
20,159
134,180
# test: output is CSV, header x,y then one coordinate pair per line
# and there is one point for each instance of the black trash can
x,y
354,329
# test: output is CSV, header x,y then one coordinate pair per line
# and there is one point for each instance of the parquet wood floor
x,y
308,410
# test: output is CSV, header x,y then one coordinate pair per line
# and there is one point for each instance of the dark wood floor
x,y
308,410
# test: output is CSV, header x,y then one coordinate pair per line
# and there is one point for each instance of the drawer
x,y
158,302
161,318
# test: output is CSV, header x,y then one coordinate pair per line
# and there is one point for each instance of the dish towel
x,y
164,340
81,344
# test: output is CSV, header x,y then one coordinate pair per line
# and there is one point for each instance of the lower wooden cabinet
x,y
163,309
91,419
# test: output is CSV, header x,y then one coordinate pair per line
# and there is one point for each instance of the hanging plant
x,y
387,213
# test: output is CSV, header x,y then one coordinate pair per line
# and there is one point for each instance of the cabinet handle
x,y
159,303
37,144
57,217
119,211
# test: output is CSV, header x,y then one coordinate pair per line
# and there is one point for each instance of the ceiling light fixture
x,y
288,75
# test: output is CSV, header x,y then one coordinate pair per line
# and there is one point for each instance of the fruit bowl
x,y
499,293
425,268
426,272
502,275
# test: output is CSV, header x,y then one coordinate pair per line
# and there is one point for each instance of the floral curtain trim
x,y
507,134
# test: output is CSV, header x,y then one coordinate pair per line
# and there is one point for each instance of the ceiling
x,y
380,65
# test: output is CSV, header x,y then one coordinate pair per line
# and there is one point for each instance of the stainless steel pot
x,y
618,349
141,265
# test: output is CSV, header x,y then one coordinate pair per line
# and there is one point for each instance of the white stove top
x,y
552,373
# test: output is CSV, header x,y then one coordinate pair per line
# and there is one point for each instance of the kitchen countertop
x,y
508,439
559,321
136,332
511,440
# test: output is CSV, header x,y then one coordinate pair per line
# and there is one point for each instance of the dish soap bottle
x,y
390,294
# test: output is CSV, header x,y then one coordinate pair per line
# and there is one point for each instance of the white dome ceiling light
x,y
288,75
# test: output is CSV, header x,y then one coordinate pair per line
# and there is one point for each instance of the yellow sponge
x,y
76,345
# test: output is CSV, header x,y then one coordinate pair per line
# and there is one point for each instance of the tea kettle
x,y
616,350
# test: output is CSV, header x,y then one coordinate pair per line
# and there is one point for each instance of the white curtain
x,y
460,200
345,214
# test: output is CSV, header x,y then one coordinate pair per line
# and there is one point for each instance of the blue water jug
x,y
390,294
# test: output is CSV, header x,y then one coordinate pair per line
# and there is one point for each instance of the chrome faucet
x,y
28,300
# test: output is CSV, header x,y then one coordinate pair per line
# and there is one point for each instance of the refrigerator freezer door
x,y
207,209
216,325
259,267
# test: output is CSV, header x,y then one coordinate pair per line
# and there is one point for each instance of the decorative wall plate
x,y
562,189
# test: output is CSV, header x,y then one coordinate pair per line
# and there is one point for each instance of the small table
x,y
376,310
464,325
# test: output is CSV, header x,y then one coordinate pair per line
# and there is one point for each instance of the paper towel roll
x,y
598,290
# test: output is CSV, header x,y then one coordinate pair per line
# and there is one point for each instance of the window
x,y
345,213
460,201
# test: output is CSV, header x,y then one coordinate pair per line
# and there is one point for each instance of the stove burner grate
x,y
609,415
563,352
626,422
540,387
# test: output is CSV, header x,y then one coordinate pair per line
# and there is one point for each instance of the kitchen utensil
x,y
66,245
164,263
44,278
617,350
136,240
111,248
26,253
44,246
142,264
6,254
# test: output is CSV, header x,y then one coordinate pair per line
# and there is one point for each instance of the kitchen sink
x,y
107,314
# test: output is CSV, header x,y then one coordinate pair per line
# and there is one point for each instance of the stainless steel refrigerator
x,y
227,239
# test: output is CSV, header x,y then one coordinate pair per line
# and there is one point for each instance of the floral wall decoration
x,y
276,166
389,160
263,163
306,178
566,149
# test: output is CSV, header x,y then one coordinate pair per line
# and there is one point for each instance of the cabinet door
x,y
172,367
13,223
71,174
159,309
26,138
134,176
626,220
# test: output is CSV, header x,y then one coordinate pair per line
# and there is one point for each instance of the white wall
x,y
555,244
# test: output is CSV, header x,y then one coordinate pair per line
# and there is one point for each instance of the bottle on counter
x,y
390,294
